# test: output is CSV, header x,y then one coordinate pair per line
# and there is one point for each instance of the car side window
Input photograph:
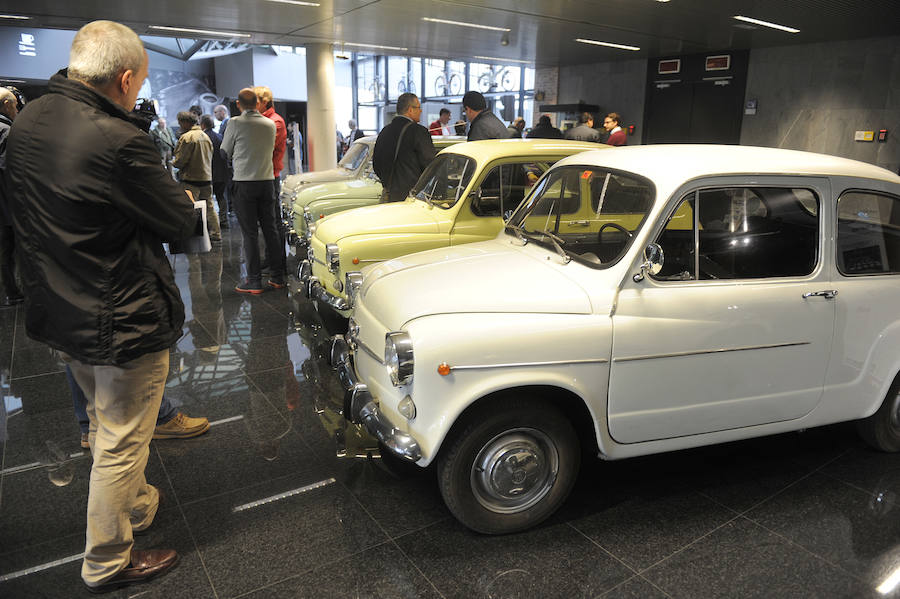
x,y
504,188
742,233
868,233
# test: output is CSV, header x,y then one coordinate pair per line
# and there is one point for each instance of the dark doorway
x,y
698,104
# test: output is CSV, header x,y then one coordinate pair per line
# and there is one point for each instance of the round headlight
x,y
398,357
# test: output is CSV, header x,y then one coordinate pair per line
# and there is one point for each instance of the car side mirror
x,y
653,262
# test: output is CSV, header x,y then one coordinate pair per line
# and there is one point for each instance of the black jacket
x,y
545,132
219,163
416,151
91,204
487,126
5,124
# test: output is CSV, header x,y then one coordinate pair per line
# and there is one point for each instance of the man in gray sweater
x,y
249,142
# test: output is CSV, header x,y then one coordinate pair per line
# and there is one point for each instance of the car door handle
x,y
827,294
580,223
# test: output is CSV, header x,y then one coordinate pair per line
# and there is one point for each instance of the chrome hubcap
x,y
514,470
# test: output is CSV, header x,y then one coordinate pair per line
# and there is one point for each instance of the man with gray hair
x,y
91,206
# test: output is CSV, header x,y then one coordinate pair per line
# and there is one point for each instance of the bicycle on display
x,y
407,84
448,86
376,88
490,81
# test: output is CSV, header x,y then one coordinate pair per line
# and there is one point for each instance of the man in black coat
x,y
9,290
545,129
483,124
91,206
403,150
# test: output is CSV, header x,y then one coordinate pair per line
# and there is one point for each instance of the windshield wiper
x,y
520,233
558,243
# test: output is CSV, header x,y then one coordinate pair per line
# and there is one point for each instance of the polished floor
x,y
280,499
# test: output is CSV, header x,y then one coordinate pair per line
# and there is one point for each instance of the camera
x,y
144,113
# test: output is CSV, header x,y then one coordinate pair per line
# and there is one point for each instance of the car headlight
x,y
398,357
332,257
352,282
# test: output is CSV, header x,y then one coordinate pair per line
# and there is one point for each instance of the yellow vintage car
x,y
463,196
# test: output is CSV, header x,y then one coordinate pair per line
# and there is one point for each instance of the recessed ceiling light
x,y
200,31
374,46
607,44
464,24
767,24
296,2
497,58
15,17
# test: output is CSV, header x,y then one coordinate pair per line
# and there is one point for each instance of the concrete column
x,y
320,114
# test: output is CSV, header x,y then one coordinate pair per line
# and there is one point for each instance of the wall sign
x,y
720,62
669,67
27,45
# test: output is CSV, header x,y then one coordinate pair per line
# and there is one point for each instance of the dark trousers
x,y
254,204
221,200
8,285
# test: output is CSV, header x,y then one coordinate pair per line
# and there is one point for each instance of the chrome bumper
x,y
360,406
315,290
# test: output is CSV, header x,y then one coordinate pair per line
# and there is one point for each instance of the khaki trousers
x,y
122,405
205,193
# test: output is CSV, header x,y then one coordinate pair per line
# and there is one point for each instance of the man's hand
x,y
189,194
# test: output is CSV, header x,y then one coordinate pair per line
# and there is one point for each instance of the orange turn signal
x,y
356,261
443,369
321,216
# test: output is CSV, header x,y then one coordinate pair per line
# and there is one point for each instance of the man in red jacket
x,y
616,134
266,107
442,125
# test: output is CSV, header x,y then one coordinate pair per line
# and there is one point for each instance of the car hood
x,y
489,276
383,219
292,182
336,190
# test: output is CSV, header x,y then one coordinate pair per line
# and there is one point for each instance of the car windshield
x,y
588,213
355,156
444,180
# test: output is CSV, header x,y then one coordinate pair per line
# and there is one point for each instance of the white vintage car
x,y
738,292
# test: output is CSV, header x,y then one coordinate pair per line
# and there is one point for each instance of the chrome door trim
x,y
528,364
709,351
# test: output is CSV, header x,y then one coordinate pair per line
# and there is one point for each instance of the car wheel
x,y
510,466
881,430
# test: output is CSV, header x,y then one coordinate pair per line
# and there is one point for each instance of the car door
x,y
735,330
499,193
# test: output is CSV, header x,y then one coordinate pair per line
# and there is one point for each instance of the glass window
x,y
743,233
868,233
435,81
369,79
504,188
398,77
444,180
368,118
480,76
355,156
591,213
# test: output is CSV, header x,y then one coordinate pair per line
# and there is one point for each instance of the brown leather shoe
x,y
144,566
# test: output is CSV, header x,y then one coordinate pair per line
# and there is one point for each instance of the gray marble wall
x,y
815,96
614,86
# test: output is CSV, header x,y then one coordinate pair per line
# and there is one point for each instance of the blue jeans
x,y
166,410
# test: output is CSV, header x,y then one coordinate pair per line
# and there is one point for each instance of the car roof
x,y
683,162
490,149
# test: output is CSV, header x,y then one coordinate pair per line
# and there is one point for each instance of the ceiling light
x,y
464,24
297,2
767,24
374,46
607,44
498,59
200,31
15,17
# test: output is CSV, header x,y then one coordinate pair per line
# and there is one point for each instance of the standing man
x,y
221,113
10,290
442,125
616,134
266,106
402,151
545,129
483,124
585,130
99,288
516,128
248,142
193,159
355,133
219,168
165,143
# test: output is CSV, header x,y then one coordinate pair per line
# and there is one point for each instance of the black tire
x,y
501,433
881,430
